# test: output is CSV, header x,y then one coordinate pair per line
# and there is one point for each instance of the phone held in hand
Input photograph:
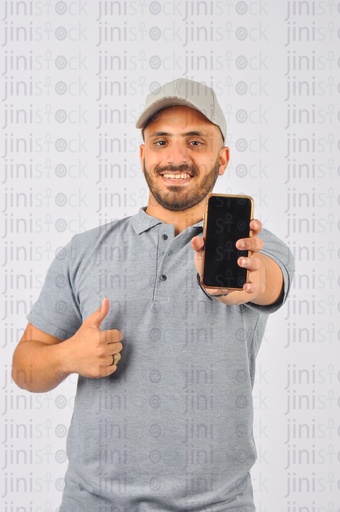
x,y
226,220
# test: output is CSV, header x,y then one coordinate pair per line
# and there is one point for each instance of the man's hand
x,y
41,361
90,351
265,277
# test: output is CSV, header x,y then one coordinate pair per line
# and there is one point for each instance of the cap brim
x,y
160,105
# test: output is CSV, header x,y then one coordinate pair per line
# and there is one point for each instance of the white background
x,y
74,76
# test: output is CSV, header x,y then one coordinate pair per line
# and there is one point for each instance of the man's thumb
x,y
98,316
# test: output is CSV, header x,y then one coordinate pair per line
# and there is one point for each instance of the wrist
x,y
204,290
64,359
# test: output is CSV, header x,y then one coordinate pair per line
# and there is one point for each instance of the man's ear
x,y
224,159
141,153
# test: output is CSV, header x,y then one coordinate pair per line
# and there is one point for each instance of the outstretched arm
x,y
265,286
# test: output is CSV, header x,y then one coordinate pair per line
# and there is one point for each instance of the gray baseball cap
x,y
185,92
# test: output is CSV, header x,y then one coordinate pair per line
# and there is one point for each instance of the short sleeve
x,y
56,311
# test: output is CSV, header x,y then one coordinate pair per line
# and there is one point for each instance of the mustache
x,y
190,169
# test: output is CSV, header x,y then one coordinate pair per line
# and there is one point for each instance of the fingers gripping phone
x,y
226,220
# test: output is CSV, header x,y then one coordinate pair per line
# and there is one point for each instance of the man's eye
x,y
195,143
160,143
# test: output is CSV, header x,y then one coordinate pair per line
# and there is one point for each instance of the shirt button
x,y
164,237
163,277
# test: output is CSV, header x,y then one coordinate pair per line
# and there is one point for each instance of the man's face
x,y
182,157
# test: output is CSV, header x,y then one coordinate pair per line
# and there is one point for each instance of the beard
x,y
177,198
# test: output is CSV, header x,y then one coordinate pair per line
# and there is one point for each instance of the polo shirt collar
x,y
141,222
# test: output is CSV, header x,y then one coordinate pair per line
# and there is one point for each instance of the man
x,y
163,411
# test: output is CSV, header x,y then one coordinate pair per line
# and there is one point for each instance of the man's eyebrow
x,y
185,134
159,134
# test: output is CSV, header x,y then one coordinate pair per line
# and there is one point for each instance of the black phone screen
x,y
227,220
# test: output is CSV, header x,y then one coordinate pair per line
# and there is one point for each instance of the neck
x,y
180,219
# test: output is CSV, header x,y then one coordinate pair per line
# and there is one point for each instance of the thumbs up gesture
x,y
94,353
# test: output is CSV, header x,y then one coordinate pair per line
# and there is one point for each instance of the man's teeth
x,y
182,176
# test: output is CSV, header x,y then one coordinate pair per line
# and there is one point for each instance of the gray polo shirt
x,y
171,429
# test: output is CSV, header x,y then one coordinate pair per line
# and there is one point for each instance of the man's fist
x,y
92,352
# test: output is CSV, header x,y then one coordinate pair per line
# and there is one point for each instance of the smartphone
x,y
226,220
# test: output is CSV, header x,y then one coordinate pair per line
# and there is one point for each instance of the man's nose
x,y
178,154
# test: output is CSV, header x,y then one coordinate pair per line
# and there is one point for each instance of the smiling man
x,y
182,158
163,410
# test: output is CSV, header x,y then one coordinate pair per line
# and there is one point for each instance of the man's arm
x,y
265,286
42,361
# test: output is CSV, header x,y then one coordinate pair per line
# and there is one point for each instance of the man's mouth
x,y
176,176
